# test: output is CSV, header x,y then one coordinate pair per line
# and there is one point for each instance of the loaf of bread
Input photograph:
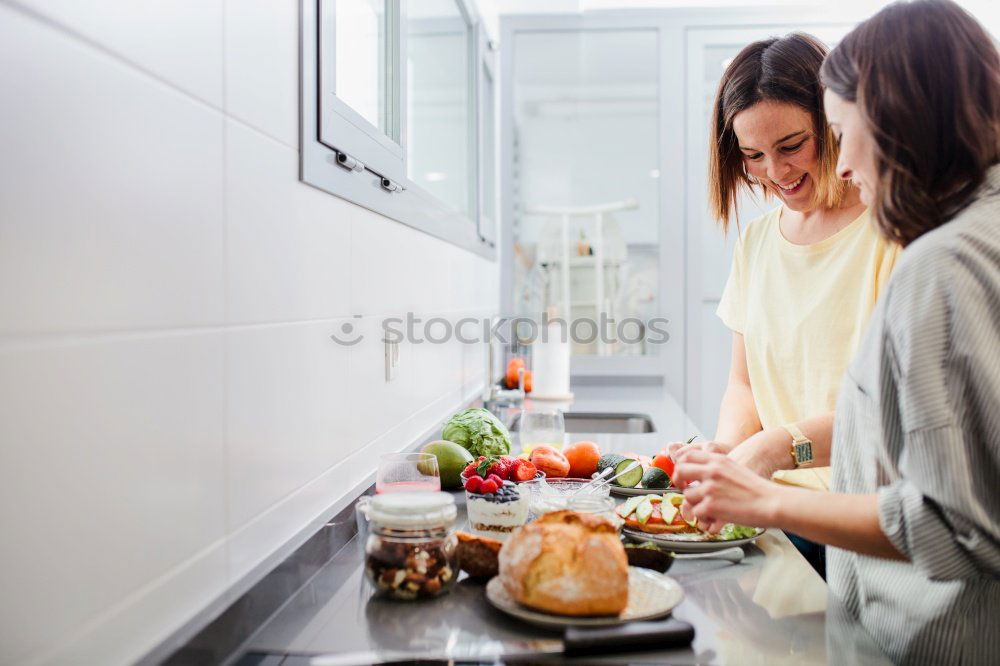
x,y
477,555
566,563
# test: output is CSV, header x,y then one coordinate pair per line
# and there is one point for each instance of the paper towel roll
x,y
550,365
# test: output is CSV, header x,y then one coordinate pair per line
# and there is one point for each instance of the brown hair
x,y
926,79
784,69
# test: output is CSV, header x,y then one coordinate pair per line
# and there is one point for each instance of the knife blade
x,y
659,635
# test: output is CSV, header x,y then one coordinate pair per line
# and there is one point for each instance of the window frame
x,y
486,66
324,140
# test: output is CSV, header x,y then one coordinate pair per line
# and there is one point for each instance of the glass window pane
x,y
586,138
438,102
360,58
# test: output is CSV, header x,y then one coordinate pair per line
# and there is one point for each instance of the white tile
x,y
112,192
288,412
262,66
111,476
389,266
289,245
438,364
179,41
377,405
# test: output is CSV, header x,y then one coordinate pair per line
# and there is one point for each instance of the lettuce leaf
x,y
733,531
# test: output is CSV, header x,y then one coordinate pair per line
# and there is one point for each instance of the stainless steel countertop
x,y
770,609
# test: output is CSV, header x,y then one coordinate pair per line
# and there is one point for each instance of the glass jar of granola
x,y
411,550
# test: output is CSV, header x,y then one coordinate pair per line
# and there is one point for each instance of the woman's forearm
x,y
738,417
845,521
771,449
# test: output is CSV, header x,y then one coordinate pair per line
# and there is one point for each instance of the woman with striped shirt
x,y
913,95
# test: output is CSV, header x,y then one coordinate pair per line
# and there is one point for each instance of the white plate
x,y
630,492
678,542
651,595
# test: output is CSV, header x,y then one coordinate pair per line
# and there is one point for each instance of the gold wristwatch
x,y
802,446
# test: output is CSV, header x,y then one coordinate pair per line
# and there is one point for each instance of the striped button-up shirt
x,y
918,423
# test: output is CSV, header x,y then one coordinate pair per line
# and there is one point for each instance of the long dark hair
x,y
780,69
926,78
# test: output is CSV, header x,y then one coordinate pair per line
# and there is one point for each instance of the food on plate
x,y
452,459
550,461
654,514
731,531
583,457
654,477
496,508
648,556
620,463
645,460
665,463
478,431
566,563
513,366
477,555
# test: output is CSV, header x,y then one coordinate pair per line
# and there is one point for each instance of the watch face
x,y
803,451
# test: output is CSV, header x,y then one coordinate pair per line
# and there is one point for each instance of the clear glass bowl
x,y
547,495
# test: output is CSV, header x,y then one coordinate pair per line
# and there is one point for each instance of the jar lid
x,y
414,510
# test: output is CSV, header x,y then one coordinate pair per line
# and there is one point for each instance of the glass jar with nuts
x,y
411,551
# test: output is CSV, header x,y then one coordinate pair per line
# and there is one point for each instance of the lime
x,y
452,460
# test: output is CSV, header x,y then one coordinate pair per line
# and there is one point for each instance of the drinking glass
x,y
402,472
543,427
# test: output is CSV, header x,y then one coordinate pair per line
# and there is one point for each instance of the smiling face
x,y
779,150
857,151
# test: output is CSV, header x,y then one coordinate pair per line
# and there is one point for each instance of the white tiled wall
x,y
172,408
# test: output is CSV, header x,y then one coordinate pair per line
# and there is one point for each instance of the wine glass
x,y
403,472
542,427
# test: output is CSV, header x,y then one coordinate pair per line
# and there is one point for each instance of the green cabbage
x,y
478,431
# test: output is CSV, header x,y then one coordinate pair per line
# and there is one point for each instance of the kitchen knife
x,y
658,635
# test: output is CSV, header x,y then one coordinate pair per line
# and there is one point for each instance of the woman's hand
x,y
677,449
719,490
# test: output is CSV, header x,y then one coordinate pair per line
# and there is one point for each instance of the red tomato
x,y
666,463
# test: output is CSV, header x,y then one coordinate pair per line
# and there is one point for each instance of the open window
x,y
392,112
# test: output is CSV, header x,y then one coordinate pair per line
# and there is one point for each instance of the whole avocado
x,y
452,459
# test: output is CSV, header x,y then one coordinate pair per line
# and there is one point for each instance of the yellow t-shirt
x,y
802,310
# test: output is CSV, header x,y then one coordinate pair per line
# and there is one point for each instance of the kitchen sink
x,y
595,422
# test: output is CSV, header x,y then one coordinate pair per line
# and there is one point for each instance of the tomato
x,y
666,463
513,365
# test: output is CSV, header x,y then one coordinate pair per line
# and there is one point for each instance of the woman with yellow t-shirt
x,y
805,277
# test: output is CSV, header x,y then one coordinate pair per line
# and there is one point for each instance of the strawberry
x,y
473,484
489,486
496,479
522,470
472,468
492,465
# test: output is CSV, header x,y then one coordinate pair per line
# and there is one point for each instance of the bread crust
x,y
566,563
477,555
